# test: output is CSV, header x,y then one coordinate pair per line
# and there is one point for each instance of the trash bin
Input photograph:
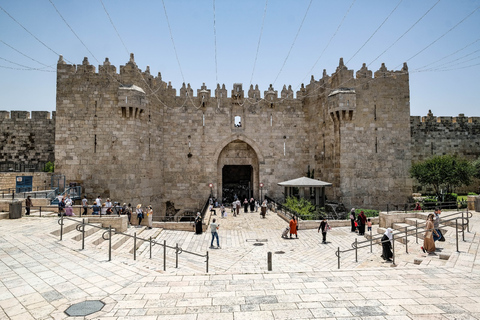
x,y
477,204
15,209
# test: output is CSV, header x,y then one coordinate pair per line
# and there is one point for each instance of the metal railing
x,y
286,211
405,233
107,235
11,193
426,206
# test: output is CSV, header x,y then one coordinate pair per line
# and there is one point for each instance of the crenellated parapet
x,y
26,115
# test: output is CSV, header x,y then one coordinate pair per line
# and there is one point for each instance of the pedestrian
x,y
210,208
98,201
293,227
252,204
95,209
84,205
362,220
234,208
61,206
108,205
103,209
369,224
387,239
352,219
139,212
324,226
428,242
68,207
198,224
238,204
245,206
28,204
256,206
214,229
436,225
128,211
263,210
223,213
150,217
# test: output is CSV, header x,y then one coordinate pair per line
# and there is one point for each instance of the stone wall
x,y
40,181
27,140
436,136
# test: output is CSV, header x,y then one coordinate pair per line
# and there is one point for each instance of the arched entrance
x,y
237,172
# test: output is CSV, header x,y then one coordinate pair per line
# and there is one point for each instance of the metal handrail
x,y
416,228
178,250
356,243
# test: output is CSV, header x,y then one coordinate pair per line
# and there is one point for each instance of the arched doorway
x,y
237,172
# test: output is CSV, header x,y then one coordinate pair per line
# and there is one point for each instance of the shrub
x,y
49,167
369,213
472,194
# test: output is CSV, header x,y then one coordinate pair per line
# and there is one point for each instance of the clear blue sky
x,y
260,42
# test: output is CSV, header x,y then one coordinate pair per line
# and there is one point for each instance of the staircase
x,y
413,240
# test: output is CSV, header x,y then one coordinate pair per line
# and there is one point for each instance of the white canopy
x,y
304,182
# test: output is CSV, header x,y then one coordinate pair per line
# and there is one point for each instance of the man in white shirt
x,y
213,229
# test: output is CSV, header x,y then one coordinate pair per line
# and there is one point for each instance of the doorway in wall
x,y
237,182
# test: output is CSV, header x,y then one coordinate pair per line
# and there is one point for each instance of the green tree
x,y
445,171
49,167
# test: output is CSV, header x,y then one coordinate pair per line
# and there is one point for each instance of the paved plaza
x,y
41,276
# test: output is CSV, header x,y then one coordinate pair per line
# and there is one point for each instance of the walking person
x,y
238,204
436,225
263,210
362,220
428,242
84,205
324,226
352,219
139,212
128,211
198,224
252,204
387,239
28,204
214,229
150,217
223,213
293,227
245,206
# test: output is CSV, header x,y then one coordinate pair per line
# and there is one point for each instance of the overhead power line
x,y
434,41
30,33
71,29
423,16
394,9
215,42
23,54
259,40
113,25
294,40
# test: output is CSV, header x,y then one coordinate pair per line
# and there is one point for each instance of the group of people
x,y
359,223
109,208
432,234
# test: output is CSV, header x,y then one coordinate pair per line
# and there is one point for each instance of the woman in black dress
x,y
387,254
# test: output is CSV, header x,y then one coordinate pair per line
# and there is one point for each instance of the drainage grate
x,y
279,252
85,308
258,244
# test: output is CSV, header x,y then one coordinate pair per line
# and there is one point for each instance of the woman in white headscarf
x,y
387,245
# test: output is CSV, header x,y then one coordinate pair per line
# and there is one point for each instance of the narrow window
x,y
95,145
203,119
238,122
375,112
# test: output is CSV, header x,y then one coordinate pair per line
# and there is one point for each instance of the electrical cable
x,y
408,30
23,54
11,17
434,41
449,55
73,31
259,40
215,42
394,9
293,43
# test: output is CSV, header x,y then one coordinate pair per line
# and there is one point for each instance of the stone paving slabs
x,y
40,277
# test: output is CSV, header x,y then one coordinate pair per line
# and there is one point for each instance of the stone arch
x,y
238,152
